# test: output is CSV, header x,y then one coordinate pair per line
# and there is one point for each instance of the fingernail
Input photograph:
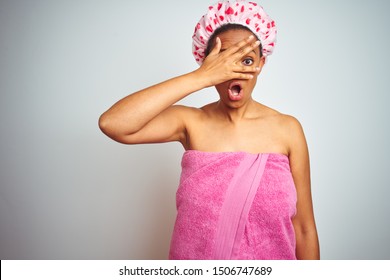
x,y
257,42
251,37
257,68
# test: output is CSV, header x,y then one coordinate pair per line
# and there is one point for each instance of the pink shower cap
x,y
248,14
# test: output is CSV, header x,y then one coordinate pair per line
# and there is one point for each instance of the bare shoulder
x,y
293,134
287,127
190,116
185,111
290,124
286,123
198,113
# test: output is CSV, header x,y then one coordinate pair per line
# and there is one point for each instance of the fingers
x,y
242,76
241,44
246,69
220,66
243,47
248,48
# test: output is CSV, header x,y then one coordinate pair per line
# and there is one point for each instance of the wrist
x,y
201,78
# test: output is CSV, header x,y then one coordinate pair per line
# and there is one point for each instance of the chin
x,y
233,104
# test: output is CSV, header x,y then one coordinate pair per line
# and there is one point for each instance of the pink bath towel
x,y
234,205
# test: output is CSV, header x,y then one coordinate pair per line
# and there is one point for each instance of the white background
x,y
69,192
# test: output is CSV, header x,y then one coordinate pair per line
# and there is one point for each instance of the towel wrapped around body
x,y
234,205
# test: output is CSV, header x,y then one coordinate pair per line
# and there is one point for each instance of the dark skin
x,y
235,123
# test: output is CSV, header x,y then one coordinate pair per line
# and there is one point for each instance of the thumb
x,y
217,47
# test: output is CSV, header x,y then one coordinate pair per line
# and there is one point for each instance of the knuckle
x,y
242,51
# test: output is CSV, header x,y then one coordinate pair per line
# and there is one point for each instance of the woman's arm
x,y
307,245
148,115
127,120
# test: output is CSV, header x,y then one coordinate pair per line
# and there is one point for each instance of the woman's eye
x,y
247,61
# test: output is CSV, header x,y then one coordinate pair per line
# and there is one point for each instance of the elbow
x,y
104,124
111,129
108,126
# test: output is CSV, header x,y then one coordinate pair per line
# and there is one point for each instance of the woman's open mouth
x,y
235,91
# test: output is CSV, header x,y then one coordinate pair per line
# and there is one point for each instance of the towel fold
x,y
234,205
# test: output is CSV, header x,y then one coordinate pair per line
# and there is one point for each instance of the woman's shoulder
x,y
282,118
290,132
190,114
286,124
204,111
284,127
186,110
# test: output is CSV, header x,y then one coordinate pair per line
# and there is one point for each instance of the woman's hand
x,y
220,66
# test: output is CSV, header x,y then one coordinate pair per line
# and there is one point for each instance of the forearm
x,y
307,245
133,112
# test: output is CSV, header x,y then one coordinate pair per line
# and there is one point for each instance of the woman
x,y
245,186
